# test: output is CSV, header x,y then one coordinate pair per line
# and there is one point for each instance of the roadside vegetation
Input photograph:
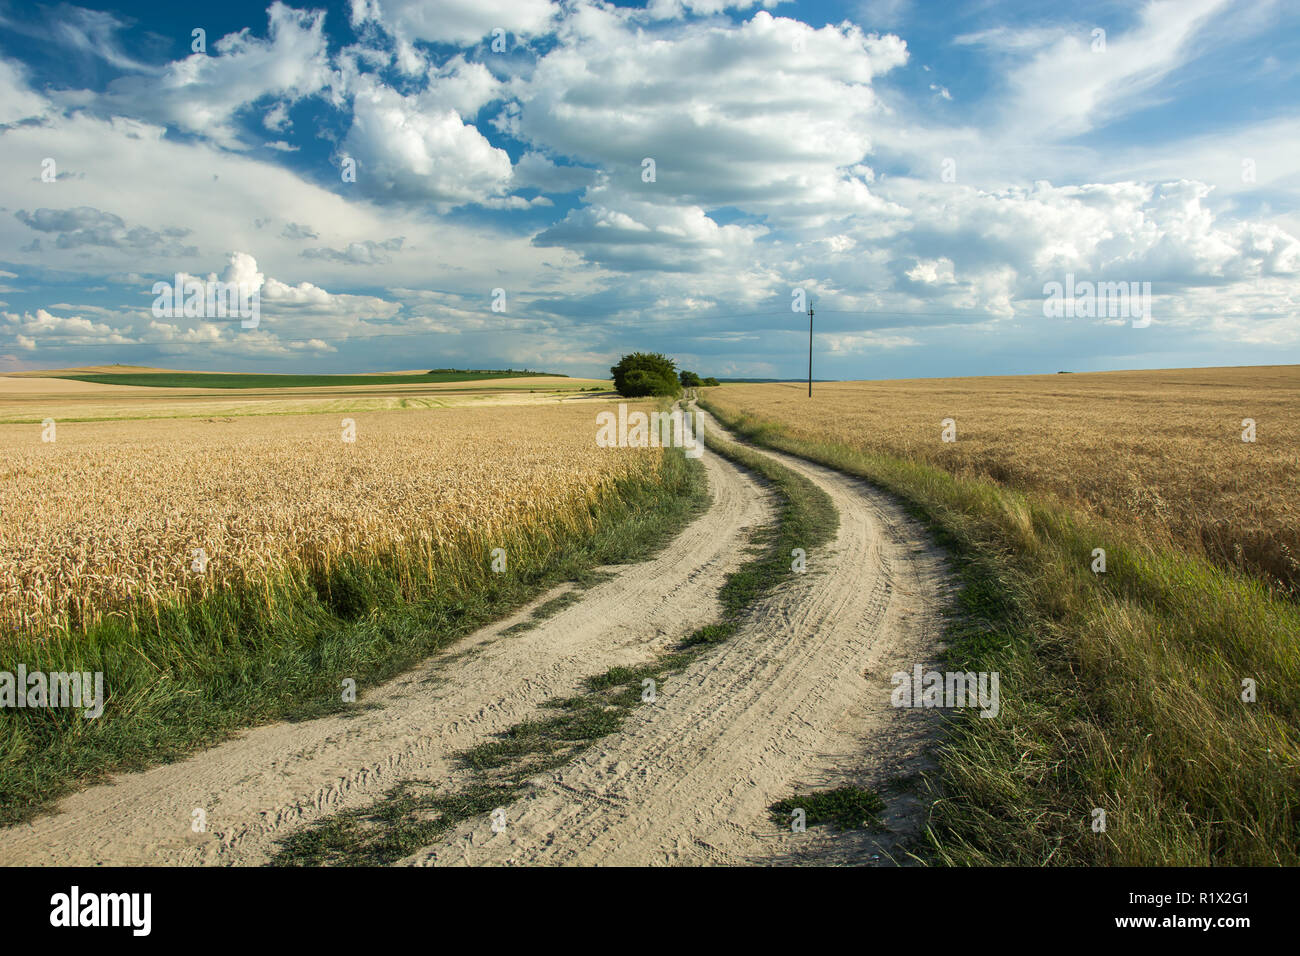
x,y
847,808
1122,691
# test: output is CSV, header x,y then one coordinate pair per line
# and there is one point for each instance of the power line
x,y
810,318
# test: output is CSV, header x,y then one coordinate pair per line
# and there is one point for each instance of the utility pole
x,y
810,317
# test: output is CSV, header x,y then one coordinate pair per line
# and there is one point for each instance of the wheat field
x,y
1159,450
1131,691
109,513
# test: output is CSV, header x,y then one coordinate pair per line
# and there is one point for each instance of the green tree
x,y
644,374
690,379
711,381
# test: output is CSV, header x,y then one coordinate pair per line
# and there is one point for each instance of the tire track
x,y
798,699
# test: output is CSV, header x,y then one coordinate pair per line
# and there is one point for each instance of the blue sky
x,y
922,170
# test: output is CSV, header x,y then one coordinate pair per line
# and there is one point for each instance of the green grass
x,y
414,814
551,608
189,674
806,519
260,380
848,808
1119,691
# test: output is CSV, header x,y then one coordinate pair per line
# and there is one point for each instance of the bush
x,y
643,374
690,379
710,381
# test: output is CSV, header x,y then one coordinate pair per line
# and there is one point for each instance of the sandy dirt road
x,y
798,700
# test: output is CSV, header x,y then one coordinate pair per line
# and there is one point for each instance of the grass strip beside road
x,y
1121,691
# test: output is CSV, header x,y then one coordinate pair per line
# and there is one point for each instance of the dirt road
x,y
798,699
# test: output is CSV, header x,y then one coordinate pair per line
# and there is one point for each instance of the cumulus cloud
x,y
766,116
29,328
933,272
202,93
455,21
420,146
541,172
639,235
296,318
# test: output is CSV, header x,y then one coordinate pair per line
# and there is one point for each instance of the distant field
x,y
258,380
1159,450
84,395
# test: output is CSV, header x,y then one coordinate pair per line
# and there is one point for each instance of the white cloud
x,y
541,172
1074,81
31,328
223,200
419,146
201,93
675,9
933,272
865,341
641,235
455,21
17,102
765,116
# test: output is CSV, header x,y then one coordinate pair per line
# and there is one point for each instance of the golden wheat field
x,y
1162,450
110,511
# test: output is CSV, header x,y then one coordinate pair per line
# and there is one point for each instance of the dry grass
x,y
1160,450
114,511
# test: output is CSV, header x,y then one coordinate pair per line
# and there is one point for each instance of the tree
x,y
644,374
690,379
710,381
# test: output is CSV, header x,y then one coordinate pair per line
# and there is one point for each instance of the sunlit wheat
x,y
116,510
